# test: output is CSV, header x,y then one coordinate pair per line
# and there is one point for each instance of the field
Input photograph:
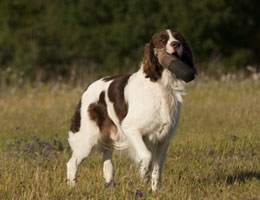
x,y
215,153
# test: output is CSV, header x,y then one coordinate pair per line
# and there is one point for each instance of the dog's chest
x,y
154,113
163,119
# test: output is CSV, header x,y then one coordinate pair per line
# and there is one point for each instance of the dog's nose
x,y
175,44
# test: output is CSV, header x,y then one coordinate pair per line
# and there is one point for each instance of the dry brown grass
x,y
214,155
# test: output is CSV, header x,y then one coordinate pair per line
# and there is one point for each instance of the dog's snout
x,y
175,44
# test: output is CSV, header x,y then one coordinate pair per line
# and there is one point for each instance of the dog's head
x,y
173,43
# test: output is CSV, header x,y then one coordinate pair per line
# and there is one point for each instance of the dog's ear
x,y
151,66
147,56
187,54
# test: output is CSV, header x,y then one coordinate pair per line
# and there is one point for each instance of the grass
x,y
214,154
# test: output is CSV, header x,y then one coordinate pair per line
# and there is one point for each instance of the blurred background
x,y
43,40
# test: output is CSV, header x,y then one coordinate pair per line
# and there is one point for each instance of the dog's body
x,y
137,112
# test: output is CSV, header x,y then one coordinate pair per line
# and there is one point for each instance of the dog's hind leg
x,y
108,168
81,147
72,166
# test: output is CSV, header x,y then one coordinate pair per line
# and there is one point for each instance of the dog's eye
x,y
163,40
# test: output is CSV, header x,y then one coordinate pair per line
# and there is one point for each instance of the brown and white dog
x,y
138,112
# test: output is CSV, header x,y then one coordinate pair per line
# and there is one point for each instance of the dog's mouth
x,y
175,54
174,50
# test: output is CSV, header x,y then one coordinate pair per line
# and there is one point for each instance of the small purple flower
x,y
30,147
49,146
138,193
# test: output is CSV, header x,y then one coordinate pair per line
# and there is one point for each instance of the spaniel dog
x,y
137,112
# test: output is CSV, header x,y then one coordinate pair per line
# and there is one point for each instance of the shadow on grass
x,y
242,176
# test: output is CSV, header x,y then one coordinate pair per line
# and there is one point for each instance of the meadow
x,y
214,154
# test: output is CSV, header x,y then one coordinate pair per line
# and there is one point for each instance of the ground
x,y
214,154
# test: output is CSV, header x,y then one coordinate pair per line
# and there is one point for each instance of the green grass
x,y
214,154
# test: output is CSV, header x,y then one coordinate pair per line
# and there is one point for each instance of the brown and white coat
x,y
137,112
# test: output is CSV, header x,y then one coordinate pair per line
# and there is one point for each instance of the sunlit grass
x,y
214,154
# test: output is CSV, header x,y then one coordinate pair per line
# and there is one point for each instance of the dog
x,y
138,112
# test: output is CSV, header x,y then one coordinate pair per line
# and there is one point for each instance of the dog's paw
x,y
71,183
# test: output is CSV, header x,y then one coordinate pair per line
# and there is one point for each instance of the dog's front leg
x,y
140,153
145,162
158,160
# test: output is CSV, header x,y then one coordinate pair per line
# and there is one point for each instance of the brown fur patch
x,y
76,118
116,95
152,68
98,113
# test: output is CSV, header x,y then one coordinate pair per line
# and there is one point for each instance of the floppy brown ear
x,y
147,57
151,66
187,54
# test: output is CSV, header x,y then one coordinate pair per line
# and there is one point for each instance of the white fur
x,y
151,120
169,48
